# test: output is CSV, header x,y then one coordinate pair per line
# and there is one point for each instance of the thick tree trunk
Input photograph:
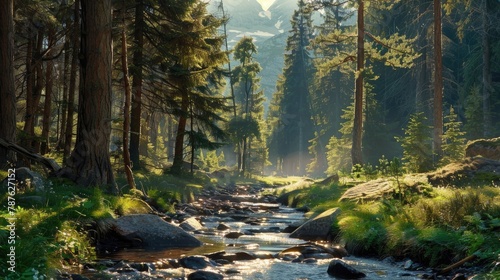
x,y
136,111
7,88
357,133
126,110
89,162
47,107
72,84
438,82
487,85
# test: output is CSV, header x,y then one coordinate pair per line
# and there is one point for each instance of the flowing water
x,y
265,240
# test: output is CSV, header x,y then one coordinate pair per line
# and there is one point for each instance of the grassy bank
x,y
432,226
54,228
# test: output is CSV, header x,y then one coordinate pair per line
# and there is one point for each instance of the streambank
x,y
245,236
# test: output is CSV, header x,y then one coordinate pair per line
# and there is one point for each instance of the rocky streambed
x,y
243,235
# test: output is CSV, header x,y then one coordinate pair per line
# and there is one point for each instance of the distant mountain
x,y
268,28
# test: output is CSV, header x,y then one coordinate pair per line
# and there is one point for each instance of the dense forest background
x,y
156,83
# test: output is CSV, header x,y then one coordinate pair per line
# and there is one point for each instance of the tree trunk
x,y
7,88
136,111
89,162
487,85
34,86
233,98
47,107
357,133
72,84
30,87
438,83
179,138
64,102
126,110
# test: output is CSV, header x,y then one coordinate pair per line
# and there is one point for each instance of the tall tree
x,y
49,83
246,88
89,163
295,127
126,104
137,80
391,49
7,89
438,82
72,81
357,131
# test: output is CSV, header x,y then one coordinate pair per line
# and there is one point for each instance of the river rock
x,y
488,148
195,262
340,269
317,228
191,224
233,235
205,275
153,232
223,226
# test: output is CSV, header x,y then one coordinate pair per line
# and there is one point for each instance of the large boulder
x,y
27,179
373,189
456,173
340,269
488,148
151,231
318,228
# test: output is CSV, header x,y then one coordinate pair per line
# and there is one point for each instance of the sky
x,y
265,3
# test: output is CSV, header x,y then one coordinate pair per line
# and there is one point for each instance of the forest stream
x,y
259,240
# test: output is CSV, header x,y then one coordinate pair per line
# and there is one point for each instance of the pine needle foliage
x,y
453,139
417,149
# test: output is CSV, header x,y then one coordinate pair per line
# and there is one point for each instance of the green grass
x,y
436,229
52,225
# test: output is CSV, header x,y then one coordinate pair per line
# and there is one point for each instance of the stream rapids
x,y
261,223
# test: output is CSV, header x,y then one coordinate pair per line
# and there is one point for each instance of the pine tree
x,y
89,164
393,50
453,139
295,127
7,86
247,126
417,148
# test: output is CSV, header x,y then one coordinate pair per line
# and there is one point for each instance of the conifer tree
x,y
417,148
295,127
247,126
7,86
453,139
394,50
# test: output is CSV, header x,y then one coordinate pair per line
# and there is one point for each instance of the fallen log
x,y
457,264
46,162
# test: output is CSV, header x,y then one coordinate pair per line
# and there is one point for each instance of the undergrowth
x,y
437,228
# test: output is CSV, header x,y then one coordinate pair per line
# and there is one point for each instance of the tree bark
x,y
487,85
64,101
72,84
47,107
179,138
7,88
438,83
357,133
136,111
126,109
89,163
